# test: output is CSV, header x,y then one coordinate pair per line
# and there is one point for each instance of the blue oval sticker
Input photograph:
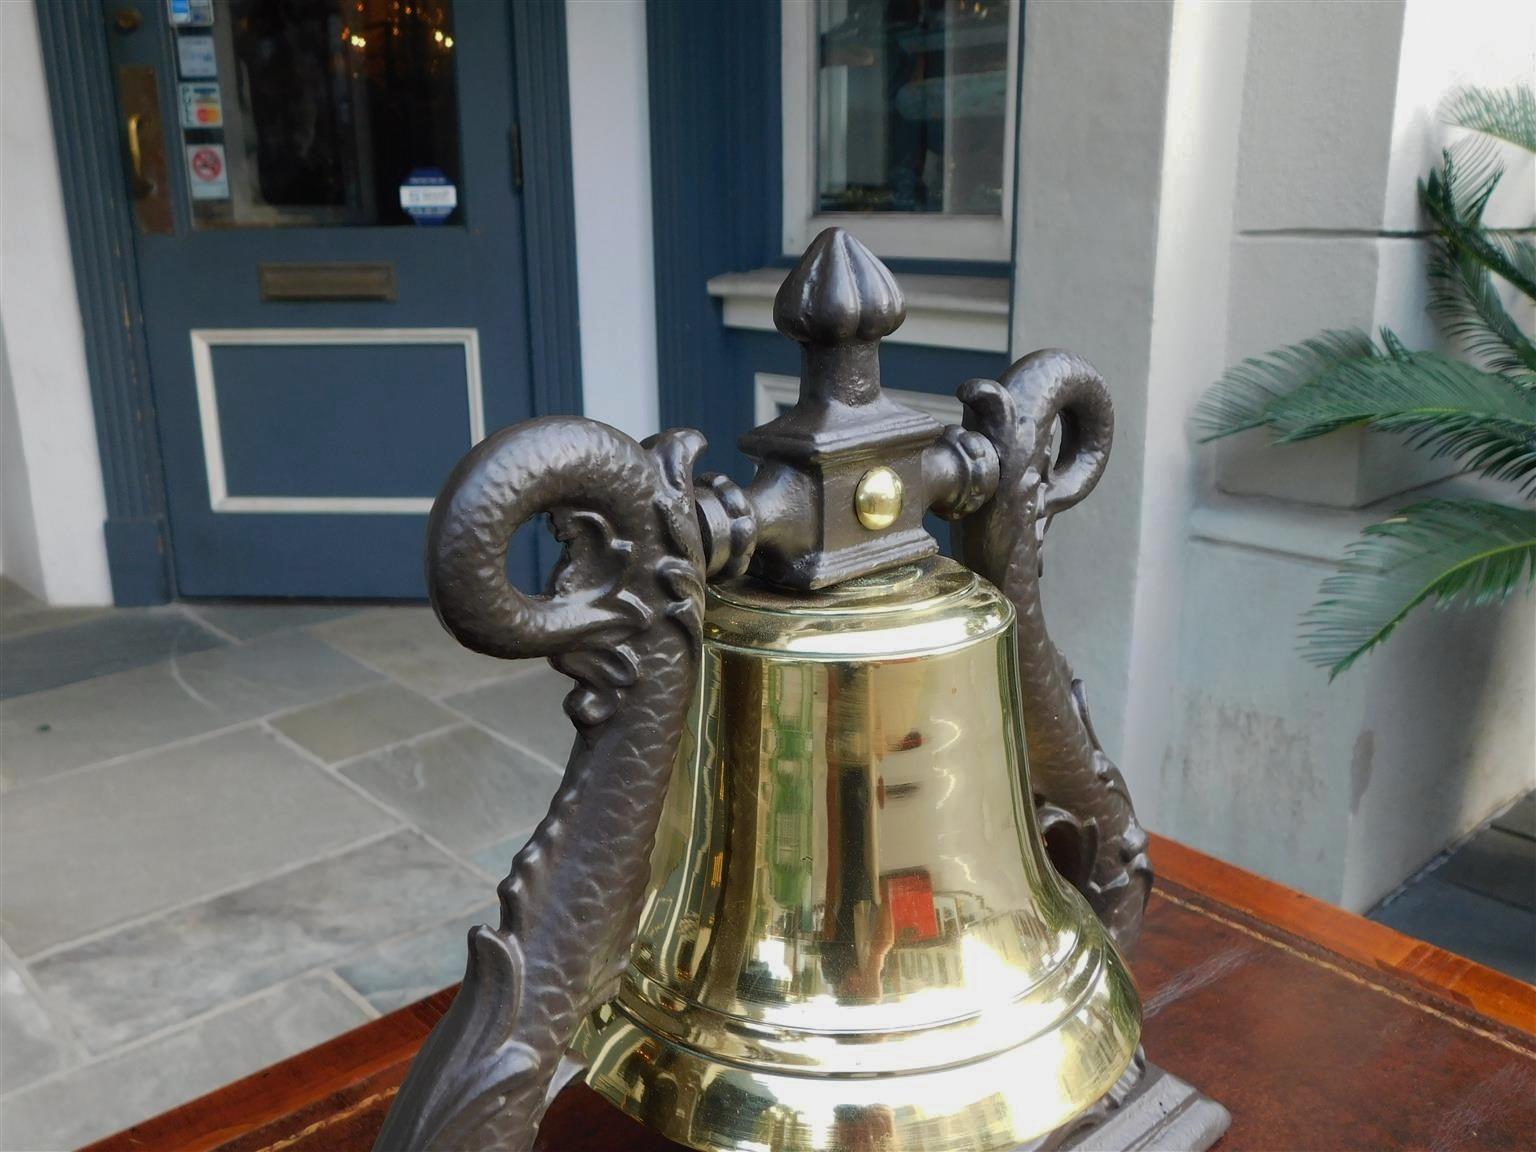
x,y
427,196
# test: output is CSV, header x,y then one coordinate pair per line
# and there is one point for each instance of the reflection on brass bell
x,y
837,863
853,938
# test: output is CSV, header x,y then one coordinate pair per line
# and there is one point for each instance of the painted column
x,y
51,470
1200,183
611,162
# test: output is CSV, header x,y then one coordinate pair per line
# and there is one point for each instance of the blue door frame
x,y
86,116
717,191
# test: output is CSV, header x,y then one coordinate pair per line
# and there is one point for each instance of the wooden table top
x,y
1317,1029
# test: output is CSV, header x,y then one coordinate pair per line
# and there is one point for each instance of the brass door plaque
x,y
293,281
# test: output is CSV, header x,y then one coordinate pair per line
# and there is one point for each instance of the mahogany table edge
x,y
272,1093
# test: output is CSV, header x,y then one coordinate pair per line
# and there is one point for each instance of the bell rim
x,y
1089,963
993,1102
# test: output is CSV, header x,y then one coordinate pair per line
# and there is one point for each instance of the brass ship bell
x,y
837,863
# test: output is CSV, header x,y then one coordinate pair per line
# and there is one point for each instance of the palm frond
x,y
1470,171
1394,346
1454,552
1450,408
1508,114
1463,298
1518,249
1462,291
1454,196
1240,399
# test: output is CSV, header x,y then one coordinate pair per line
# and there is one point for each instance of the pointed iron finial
x,y
838,303
839,293
823,463
845,476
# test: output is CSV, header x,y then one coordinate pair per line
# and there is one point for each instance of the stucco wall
x,y
1090,166
1342,789
51,468
611,164
19,557
1234,182
1196,205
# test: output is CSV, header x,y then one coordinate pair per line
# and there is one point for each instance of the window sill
x,y
969,312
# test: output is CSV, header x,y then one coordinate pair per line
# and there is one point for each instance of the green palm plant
x,y
1481,410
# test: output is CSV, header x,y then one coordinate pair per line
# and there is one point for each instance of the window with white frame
x,y
899,124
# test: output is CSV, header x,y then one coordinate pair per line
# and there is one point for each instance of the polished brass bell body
x,y
853,938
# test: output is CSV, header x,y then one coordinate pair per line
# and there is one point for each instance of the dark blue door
x,y
330,256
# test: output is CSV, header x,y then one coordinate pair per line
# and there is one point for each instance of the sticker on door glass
x,y
207,172
195,58
190,13
427,196
201,105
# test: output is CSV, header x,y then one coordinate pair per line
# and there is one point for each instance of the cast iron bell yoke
x,y
823,543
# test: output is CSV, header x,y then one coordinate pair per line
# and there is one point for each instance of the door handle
x,y
141,186
149,181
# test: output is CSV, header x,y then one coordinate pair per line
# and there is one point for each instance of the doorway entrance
x,y
329,241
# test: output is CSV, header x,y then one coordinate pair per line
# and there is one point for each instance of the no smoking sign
x,y
207,172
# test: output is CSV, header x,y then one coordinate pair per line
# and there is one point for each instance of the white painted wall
x,y
63,558
1487,42
1318,105
1230,185
611,163
1090,165
19,555
1207,63
1342,789
1341,119
1445,45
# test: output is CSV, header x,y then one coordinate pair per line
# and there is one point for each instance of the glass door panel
x,y
319,112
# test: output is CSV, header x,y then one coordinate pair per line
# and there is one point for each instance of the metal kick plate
x,y
298,282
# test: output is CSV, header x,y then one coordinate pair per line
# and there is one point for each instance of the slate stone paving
x,y
229,832
1478,900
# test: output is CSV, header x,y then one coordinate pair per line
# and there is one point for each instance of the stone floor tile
x,y
374,718
133,711
1495,863
529,711
403,971
1488,931
410,645
31,1044
464,787
21,612
82,852
99,1099
37,661
247,621
1519,818
160,972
